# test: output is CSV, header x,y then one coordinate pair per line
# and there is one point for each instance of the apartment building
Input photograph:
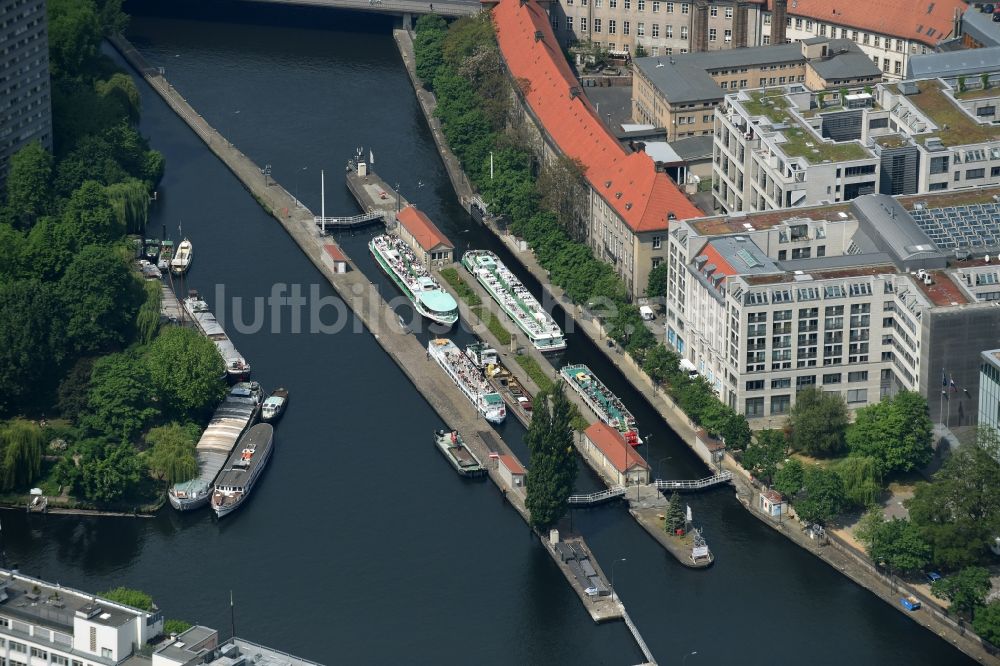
x,y
680,93
660,27
889,31
789,147
25,99
626,202
857,298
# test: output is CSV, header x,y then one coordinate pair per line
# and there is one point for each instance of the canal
x,y
360,544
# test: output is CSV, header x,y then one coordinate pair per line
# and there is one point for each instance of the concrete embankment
x,y
360,295
846,559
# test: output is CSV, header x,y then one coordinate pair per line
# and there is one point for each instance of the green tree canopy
x,y
823,498
31,341
862,479
896,433
91,214
987,622
762,456
676,514
100,297
790,478
74,36
171,457
895,542
29,184
121,399
22,443
109,473
660,363
552,460
122,88
186,370
959,513
129,597
657,281
965,589
817,422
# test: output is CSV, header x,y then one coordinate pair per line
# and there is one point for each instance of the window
x,y
877,42
865,38
859,376
41,654
834,378
22,648
670,8
995,171
857,395
755,408
897,67
569,22
583,24
885,64
986,111
781,383
59,661
657,242
973,174
714,11
684,30
712,34
899,45
625,29
822,30
598,3
641,5
655,28
939,164
555,24
684,8
809,25
805,382
727,35
780,404
628,4
597,25
656,7
729,12
755,385
612,26
670,32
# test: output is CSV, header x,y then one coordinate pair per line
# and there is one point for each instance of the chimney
x,y
740,24
574,92
699,27
778,18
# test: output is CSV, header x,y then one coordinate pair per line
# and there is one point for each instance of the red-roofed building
x,y
423,236
511,471
335,258
630,203
888,31
605,446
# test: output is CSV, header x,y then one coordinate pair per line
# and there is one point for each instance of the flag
x,y
688,517
944,378
951,385
371,156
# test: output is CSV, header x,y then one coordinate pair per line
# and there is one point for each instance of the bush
x,y
465,292
129,597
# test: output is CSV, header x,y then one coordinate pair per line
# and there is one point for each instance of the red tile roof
x,y
511,463
628,182
926,21
613,446
335,253
721,265
422,229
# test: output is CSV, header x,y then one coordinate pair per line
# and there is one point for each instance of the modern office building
x,y
25,102
989,390
680,93
789,147
42,624
626,203
862,298
888,31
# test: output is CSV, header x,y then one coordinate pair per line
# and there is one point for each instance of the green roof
x,y
955,127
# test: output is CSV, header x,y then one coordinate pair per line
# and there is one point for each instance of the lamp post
x,y
684,660
621,559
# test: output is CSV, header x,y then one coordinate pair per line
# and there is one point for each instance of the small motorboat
x,y
275,405
181,261
166,255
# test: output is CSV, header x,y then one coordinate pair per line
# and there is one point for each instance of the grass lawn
x,y
465,292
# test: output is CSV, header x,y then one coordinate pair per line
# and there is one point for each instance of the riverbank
x,y
660,401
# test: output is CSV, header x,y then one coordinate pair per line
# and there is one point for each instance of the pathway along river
x,y
360,544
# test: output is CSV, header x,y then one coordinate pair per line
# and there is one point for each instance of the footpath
x,y
835,552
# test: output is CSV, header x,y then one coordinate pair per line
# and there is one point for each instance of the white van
x,y
647,312
688,367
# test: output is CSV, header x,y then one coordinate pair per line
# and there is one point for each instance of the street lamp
x,y
684,660
621,559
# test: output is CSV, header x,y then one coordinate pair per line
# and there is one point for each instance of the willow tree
x,y
171,457
22,453
147,322
130,201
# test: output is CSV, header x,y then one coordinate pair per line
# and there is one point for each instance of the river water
x,y
360,545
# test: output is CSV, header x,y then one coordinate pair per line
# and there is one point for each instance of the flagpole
x,y
232,615
322,189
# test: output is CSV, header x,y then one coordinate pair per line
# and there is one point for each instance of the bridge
x,y
615,492
405,8
352,222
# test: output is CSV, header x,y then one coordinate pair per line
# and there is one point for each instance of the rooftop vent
x,y
908,87
671,216
574,92
539,36
618,195
628,206
89,610
607,183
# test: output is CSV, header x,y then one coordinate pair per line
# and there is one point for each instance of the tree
x,y
790,478
552,461
896,432
660,363
31,341
22,444
823,496
91,214
130,202
74,36
987,622
965,589
762,456
29,184
657,286
147,321
109,473
640,51
817,422
171,457
122,88
895,542
100,297
735,431
427,47
561,183
676,515
862,480
959,513
129,597
120,402
74,389
186,370
173,627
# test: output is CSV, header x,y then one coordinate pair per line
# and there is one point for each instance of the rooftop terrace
x,y
723,224
955,126
799,141
942,291
849,272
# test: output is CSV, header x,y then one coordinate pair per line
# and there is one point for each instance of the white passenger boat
x,y
515,299
398,261
183,256
469,378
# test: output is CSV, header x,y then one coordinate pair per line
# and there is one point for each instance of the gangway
x,y
352,222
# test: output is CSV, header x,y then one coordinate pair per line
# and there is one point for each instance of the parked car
x,y
932,576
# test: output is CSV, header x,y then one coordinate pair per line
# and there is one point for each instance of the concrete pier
x,y
364,300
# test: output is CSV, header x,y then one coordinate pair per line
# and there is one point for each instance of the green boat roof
x,y
438,300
